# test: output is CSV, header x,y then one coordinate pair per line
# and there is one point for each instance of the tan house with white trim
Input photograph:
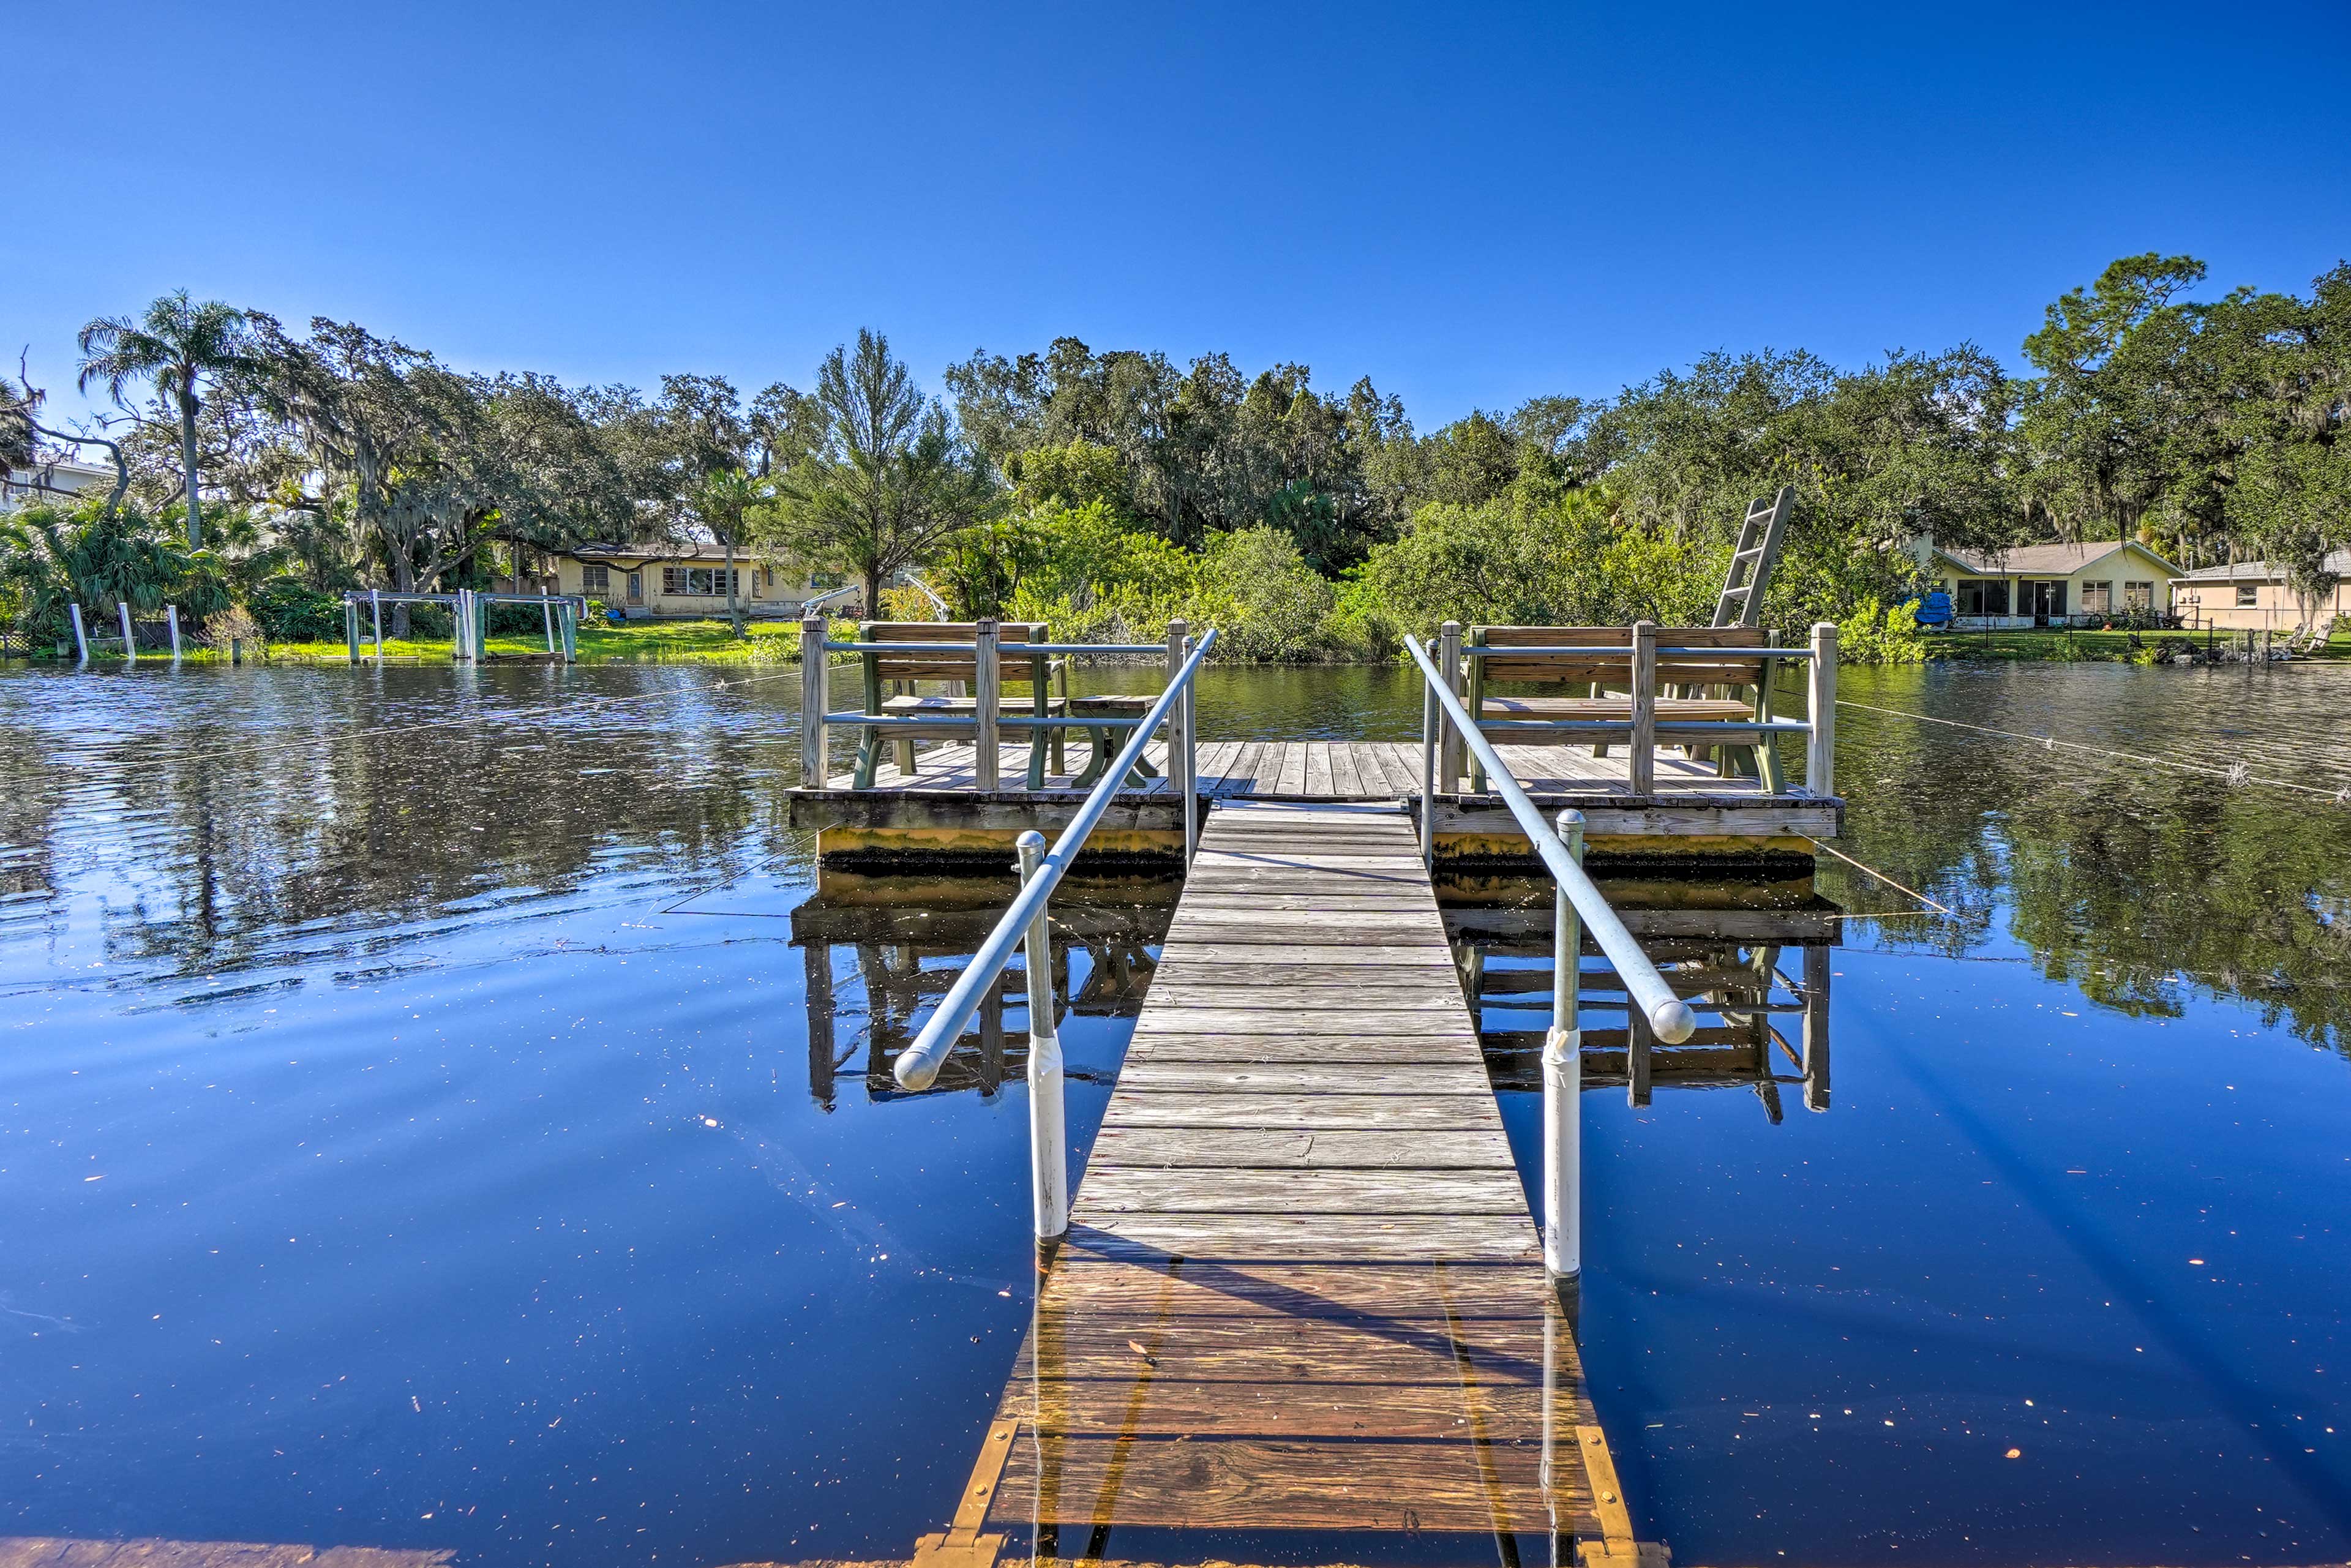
x,y
2050,585
684,581
2253,596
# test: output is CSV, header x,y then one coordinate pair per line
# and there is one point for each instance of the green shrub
x,y
288,610
1877,633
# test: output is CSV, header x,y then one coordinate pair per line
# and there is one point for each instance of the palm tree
x,y
174,345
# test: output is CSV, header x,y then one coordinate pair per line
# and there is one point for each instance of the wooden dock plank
x,y
1300,1289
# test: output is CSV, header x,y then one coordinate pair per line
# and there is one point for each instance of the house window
x,y
1987,596
2138,596
696,581
824,580
2097,599
2248,595
595,580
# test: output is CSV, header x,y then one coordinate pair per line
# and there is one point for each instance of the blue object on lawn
x,y
1935,610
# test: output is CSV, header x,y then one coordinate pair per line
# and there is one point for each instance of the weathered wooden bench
x,y
889,679
1685,688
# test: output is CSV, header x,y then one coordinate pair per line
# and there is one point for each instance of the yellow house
x,y
685,581
2050,585
2252,595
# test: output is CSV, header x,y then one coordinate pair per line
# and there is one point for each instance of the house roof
x,y
2337,562
2058,560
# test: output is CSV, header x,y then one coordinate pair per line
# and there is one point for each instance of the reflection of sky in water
x,y
359,1141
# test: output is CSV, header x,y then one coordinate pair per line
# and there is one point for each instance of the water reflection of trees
x,y
207,842
2133,883
905,940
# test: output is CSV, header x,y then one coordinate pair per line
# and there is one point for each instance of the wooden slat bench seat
x,y
1688,687
890,692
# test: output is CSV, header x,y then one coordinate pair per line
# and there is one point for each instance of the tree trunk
x,y
873,594
734,610
188,467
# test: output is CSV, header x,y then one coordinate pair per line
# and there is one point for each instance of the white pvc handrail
x,y
1669,1015
918,1065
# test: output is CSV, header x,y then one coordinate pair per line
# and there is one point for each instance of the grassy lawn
x,y
2069,645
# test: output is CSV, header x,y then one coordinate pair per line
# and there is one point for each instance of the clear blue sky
x,y
1472,204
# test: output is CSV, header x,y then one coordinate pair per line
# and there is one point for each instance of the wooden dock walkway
x,y
1301,1290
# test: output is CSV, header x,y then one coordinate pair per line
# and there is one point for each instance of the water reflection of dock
x,y
1757,975
907,938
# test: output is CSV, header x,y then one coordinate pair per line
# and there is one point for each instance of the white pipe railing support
x,y
1429,718
1669,1015
1049,1130
917,1067
1563,1078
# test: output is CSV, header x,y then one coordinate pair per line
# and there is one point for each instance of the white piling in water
x,y
1049,1131
129,638
1562,1079
375,608
171,619
81,643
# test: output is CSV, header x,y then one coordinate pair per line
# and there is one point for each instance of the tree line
x,y
1105,491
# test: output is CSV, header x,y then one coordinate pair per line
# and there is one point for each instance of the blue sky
x,y
1472,205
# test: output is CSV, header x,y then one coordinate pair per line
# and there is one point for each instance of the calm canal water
x,y
436,1113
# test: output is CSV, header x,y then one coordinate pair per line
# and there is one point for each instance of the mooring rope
x,y
1930,904
2237,773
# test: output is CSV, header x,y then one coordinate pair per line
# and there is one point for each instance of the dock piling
x,y
81,641
129,638
1820,745
988,689
814,769
171,619
1449,744
1048,1133
375,610
1643,751
1563,1078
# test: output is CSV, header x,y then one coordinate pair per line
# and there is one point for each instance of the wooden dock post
x,y
172,619
352,626
1562,1079
570,618
1642,762
1816,1028
1820,745
81,642
546,613
815,769
988,687
1449,748
375,612
1049,1133
1179,736
129,638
